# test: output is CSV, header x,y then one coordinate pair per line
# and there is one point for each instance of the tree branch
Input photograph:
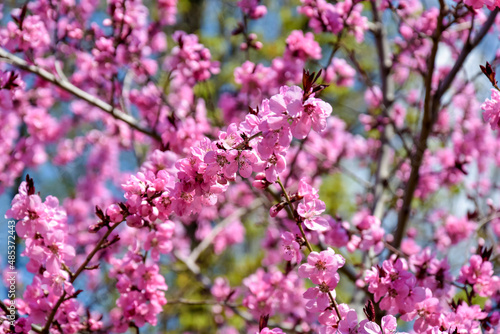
x,y
427,123
468,47
70,88
431,107
61,299
385,63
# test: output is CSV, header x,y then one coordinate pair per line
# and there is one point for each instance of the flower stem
x,y
308,245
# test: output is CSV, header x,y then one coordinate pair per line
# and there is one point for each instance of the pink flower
x,y
478,4
372,234
260,298
271,331
148,278
310,211
478,273
168,10
190,61
428,312
454,230
290,248
394,286
492,109
322,266
57,251
272,166
314,114
33,35
159,240
242,161
23,325
58,281
318,296
302,45
349,324
221,289
230,138
330,17
307,191
252,8
287,102
340,72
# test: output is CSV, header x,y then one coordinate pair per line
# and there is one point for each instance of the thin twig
x,y
385,64
82,267
308,245
70,88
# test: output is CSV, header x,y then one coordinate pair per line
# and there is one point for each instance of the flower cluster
x,y
321,269
190,61
407,174
394,286
252,8
141,288
479,274
273,292
477,4
492,109
350,324
333,18
43,226
27,33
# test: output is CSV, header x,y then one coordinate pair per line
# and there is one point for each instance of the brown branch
x,y
70,88
468,47
431,108
97,248
427,123
385,63
82,267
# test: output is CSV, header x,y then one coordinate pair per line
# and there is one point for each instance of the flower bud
x,y
135,221
260,181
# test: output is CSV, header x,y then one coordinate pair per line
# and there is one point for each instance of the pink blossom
x,y
477,4
302,45
491,108
322,266
310,211
221,289
190,60
159,240
233,234
252,8
479,274
290,248
340,72
318,296
168,10
271,331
